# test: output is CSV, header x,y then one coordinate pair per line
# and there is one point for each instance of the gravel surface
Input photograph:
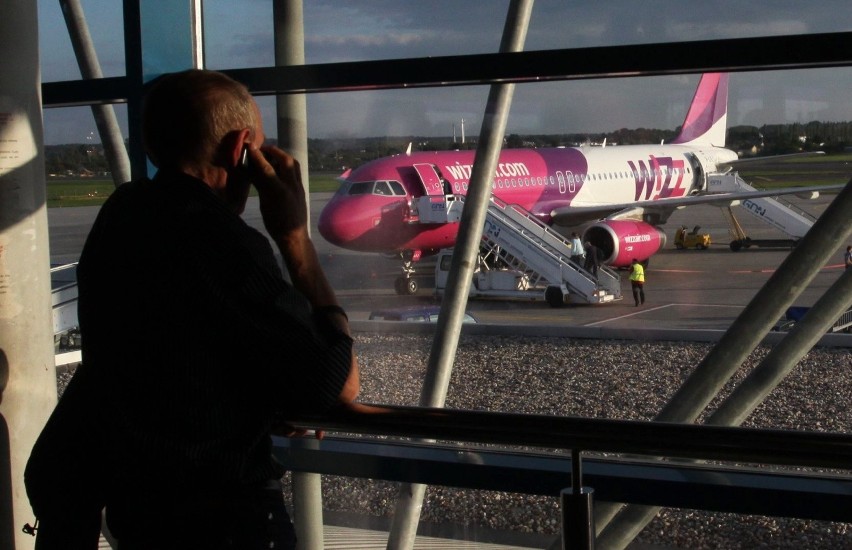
x,y
599,379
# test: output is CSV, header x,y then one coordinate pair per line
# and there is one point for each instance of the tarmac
x,y
685,289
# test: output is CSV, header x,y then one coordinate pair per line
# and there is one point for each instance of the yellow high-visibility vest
x,y
638,273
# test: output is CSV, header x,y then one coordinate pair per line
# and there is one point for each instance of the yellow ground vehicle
x,y
692,239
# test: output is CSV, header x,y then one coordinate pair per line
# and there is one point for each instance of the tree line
x,y
340,154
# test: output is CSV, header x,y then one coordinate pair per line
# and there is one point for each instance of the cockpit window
x,y
361,188
397,188
384,188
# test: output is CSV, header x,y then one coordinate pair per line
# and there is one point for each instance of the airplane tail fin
x,y
707,119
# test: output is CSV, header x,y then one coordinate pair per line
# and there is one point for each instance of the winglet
x,y
707,118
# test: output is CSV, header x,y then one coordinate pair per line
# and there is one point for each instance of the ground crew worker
x,y
637,281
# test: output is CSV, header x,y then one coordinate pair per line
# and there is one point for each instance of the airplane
x,y
628,191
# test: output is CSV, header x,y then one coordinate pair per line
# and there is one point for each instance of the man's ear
x,y
232,147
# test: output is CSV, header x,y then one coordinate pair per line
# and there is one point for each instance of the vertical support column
x,y
292,108
307,510
27,372
442,354
293,137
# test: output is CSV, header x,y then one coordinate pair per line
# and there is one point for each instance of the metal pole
x,y
27,371
292,108
288,17
307,510
784,357
793,275
444,345
757,385
744,335
90,68
578,520
133,64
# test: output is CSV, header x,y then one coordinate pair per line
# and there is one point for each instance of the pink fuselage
x,y
538,180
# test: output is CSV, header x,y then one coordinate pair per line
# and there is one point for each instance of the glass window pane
x,y
768,112
379,29
106,27
397,188
382,188
361,188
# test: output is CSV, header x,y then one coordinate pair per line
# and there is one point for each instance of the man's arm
x,y
282,206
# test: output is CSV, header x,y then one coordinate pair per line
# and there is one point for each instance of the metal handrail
x,y
661,439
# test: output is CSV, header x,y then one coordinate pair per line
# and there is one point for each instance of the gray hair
x,y
187,115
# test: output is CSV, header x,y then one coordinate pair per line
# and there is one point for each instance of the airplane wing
x,y
576,215
772,160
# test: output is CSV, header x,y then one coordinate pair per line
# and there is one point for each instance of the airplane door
x,y
561,179
699,181
572,187
429,178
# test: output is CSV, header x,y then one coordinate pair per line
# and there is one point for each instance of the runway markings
x,y
740,271
657,308
635,313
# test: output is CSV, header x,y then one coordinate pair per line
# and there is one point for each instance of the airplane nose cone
x,y
336,225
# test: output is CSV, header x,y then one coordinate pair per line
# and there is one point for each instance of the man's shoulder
x,y
129,188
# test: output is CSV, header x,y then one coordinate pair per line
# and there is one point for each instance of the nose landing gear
x,y
405,284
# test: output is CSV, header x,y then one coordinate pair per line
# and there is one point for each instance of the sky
x,y
239,33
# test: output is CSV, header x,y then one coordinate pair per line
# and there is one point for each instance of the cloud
x,y
735,29
365,40
390,29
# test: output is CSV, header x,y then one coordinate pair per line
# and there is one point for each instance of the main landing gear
x,y
405,284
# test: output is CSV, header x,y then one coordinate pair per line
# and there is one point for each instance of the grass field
x,y
62,193
841,157
78,192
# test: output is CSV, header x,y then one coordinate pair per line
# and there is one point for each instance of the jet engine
x,y
622,240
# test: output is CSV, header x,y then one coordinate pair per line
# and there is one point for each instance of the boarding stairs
x,y
777,212
526,246
63,297
66,332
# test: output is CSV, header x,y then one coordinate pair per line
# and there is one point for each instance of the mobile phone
x,y
244,158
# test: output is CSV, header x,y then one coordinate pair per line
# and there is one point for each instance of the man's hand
x,y
288,430
278,180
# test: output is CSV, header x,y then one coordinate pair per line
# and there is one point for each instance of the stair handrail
x,y
590,283
518,219
778,198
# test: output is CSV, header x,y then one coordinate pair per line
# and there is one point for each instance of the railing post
x,y
578,517
307,510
